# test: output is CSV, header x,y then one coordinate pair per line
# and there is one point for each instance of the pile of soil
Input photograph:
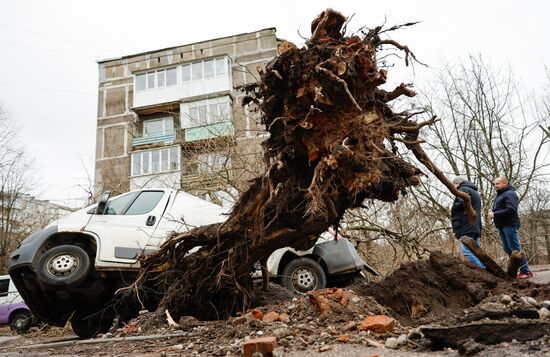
x,y
428,290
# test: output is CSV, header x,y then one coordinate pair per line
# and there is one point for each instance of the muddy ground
x,y
440,306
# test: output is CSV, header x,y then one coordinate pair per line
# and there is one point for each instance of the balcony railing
x,y
166,137
209,131
207,180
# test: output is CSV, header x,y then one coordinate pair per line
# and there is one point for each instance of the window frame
x,y
155,75
167,150
130,203
220,68
210,118
208,166
165,124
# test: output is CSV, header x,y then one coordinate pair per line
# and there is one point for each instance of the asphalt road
x,y
541,274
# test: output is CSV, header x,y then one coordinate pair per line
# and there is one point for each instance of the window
x,y
220,66
150,80
4,286
204,69
145,162
186,72
164,160
209,68
174,158
160,78
171,78
208,111
155,161
196,70
213,162
134,203
156,79
145,202
140,82
158,126
118,205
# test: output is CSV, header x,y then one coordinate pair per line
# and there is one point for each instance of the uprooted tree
x,y
333,143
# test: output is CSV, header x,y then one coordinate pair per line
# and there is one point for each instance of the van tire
x,y
302,275
64,266
87,324
21,322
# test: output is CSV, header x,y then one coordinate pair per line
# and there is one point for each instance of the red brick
x,y
378,323
258,314
271,316
337,295
264,345
343,338
322,303
284,317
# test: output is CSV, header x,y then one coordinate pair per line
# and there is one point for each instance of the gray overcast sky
x,y
49,49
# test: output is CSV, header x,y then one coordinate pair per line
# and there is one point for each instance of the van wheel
x,y
302,275
64,265
21,322
88,324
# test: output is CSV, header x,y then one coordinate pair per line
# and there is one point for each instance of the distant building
x,y
26,214
20,216
173,117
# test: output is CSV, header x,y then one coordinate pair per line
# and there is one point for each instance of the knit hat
x,y
458,180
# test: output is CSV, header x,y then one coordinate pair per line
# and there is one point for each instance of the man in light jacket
x,y
506,218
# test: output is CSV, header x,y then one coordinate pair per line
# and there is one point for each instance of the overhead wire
x,y
48,89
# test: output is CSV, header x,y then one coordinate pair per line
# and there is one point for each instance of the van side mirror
x,y
102,205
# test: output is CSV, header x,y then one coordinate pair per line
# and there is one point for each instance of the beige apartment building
x,y
173,117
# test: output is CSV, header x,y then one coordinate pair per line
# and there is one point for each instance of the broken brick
x,y
343,338
321,302
346,297
263,345
337,295
377,323
258,314
284,317
271,316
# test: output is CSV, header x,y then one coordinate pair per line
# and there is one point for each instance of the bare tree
x,y
15,180
488,129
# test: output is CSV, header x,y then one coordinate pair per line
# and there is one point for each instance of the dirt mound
x,y
275,294
426,290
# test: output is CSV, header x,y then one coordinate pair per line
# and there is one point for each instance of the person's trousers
x,y
469,255
510,241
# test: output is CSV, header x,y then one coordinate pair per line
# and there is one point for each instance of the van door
x,y
4,294
128,223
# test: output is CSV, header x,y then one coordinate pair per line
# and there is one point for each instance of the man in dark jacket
x,y
459,220
506,218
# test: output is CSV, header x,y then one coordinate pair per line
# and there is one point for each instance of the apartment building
x,y
173,117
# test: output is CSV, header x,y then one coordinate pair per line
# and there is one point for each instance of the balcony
x,y
167,137
207,181
209,131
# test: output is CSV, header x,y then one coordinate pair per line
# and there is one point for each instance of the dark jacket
x,y
505,208
459,220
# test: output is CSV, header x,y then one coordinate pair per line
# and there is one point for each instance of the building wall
x,y
119,121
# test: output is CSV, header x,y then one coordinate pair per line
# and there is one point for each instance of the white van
x,y
77,263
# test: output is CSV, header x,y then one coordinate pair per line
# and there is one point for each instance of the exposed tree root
x,y
329,129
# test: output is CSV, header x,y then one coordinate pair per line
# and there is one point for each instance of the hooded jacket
x,y
459,220
505,208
